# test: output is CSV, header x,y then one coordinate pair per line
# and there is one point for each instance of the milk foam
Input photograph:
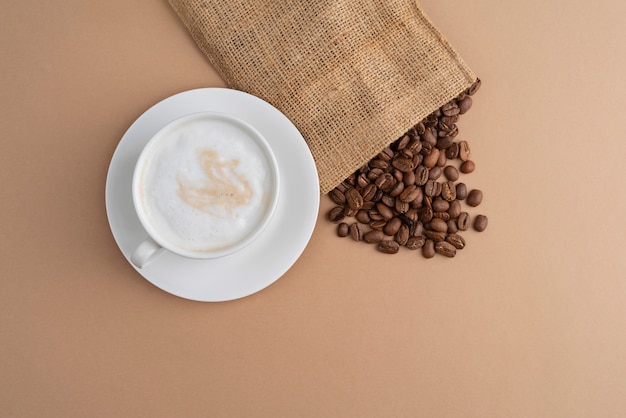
x,y
205,185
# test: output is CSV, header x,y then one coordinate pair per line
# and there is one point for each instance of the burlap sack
x,y
352,75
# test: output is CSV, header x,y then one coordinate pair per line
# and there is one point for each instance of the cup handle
x,y
145,252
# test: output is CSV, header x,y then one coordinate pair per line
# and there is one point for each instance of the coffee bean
x,y
435,235
392,227
409,193
445,248
397,189
425,214
337,196
421,175
440,205
474,198
349,212
388,247
402,236
379,163
356,231
379,224
480,223
374,174
461,191
451,173
439,225
416,229
416,242
455,209
463,221
467,167
442,215
415,146
452,151
442,160
403,142
428,249
374,236
384,181
363,216
429,138
385,211
474,87
448,191
435,173
403,164
456,240
388,200
401,207
354,198
464,151
452,227
343,229
336,214
445,142
465,104
450,109
431,159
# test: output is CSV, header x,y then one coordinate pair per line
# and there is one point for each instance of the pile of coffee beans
x,y
410,195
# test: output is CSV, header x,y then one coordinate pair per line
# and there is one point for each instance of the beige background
x,y
528,321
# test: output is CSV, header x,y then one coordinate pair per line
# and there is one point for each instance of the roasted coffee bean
x,y
416,229
435,173
451,173
384,181
421,175
445,142
465,104
480,223
452,228
463,221
356,231
363,216
403,142
354,198
412,215
448,191
373,236
343,229
342,187
442,160
425,214
409,193
392,227
397,189
455,209
452,151
362,180
385,211
388,200
426,148
430,188
456,240
474,198
415,243
428,249
409,178
442,215
434,235
415,146
430,160
349,212
439,225
336,214
337,196
467,167
388,247
429,138
368,192
440,205
474,87
445,248
401,207
397,175
402,236
375,215
403,164
374,174
380,224
379,163
450,109
461,191
464,151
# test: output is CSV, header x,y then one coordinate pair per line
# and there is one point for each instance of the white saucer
x,y
263,261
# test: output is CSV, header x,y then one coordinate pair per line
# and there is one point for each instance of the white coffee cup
x,y
204,186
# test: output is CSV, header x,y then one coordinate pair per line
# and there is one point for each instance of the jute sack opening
x,y
352,75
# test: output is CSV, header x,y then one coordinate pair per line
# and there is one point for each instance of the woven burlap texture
x,y
352,75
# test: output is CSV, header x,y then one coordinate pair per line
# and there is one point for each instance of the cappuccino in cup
x,y
204,186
